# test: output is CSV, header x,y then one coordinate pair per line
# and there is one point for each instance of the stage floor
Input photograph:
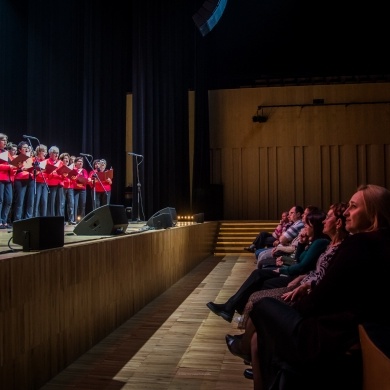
x,y
8,248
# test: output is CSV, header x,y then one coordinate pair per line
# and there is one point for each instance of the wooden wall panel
x,y
348,170
273,181
285,175
299,176
326,174
323,152
250,184
376,164
312,189
266,179
56,304
361,161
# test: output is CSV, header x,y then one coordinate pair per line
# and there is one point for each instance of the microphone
x,y
85,155
29,136
133,154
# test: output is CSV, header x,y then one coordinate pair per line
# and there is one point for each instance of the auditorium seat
x,y
375,344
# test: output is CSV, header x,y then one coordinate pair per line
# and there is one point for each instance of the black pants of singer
x,y
259,279
288,361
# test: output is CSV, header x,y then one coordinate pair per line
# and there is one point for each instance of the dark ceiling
x,y
261,42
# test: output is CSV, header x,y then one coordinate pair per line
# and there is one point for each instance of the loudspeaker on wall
x,y
105,220
39,233
208,15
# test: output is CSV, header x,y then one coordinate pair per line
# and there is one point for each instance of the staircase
x,y
233,236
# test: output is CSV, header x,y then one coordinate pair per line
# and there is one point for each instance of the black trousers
x,y
257,280
285,357
263,240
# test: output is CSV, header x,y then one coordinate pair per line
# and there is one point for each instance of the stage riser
x,y
58,303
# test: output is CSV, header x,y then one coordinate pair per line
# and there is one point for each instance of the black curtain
x,y
162,67
64,75
66,68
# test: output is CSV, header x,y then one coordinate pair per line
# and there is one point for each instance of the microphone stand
x,y
34,170
139,189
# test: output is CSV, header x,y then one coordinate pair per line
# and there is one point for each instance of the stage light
x,y
259,118
197,218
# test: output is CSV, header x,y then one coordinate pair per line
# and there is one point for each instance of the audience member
x,y
334,227
266,239
285,243
312,245
314,340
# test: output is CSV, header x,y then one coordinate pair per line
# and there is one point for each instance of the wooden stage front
x,y
56,304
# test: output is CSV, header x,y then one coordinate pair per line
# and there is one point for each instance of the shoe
x,y
72,223
2,226
221,311
250,248
248,373
7,226
231,343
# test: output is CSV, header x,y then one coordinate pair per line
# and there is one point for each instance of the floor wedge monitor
x,y
106,220
39,233
164,218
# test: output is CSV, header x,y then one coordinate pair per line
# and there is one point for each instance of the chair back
x,y
376,365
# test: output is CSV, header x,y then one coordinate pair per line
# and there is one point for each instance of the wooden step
x,y
233,236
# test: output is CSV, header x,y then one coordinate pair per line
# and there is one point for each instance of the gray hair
x,y
54,149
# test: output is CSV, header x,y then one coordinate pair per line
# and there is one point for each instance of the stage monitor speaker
x,y
39,233
163,219
198,218
106,220
208,15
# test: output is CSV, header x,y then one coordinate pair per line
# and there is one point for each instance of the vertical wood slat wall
x,y
302,155
56,304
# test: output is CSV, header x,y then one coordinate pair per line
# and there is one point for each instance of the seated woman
x,y
312,245
334,227
314,340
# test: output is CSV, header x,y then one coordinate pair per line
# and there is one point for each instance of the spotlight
x,y
259,118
